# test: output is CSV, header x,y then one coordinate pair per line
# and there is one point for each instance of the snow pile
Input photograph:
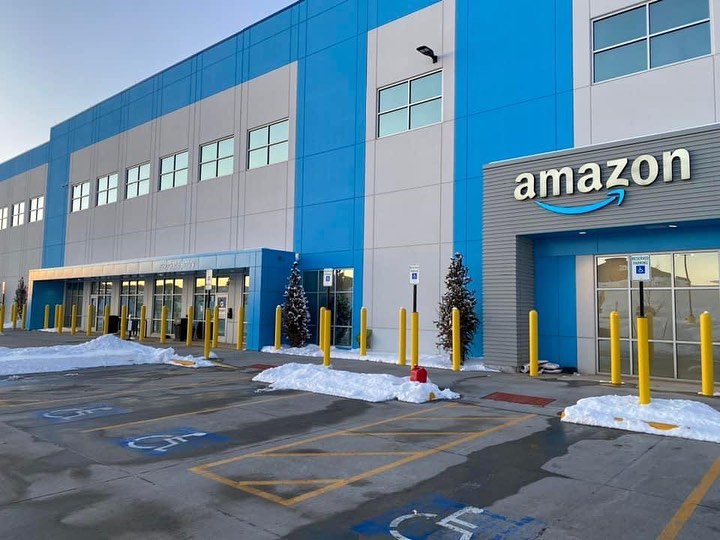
x,y
439,361
673,417
104,351
364,386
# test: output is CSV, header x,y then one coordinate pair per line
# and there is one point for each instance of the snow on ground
x,y
364,386
103,351
440,361
672,417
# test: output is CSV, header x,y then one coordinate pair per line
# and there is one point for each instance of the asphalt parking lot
x,y
167,452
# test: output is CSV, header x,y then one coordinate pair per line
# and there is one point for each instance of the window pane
x,y
102,183
167,164
426,87
112,195
662,363
394,97
208,153
426,114
696,269
668,14
689,304
207,170
612,272
132,175
258,158
144,187
393,122
102,198
658,310
278,153
181,177
166,181
609,301
661,271
604,356
258,138
688,358
226,148
680,45
113,180
279,132
86,189
181,161
225,166
620,61
145,171
132,190
619,28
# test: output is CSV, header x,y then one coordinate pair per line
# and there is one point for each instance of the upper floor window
x,y
37,209
268,145
107,187
4,218
409,105
138,181
80,197
650,36
174,171
216,159
18,214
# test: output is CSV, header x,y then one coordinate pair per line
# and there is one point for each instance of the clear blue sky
x,y
59,57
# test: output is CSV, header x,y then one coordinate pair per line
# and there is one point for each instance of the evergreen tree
x,y
296,315
21,297
457,295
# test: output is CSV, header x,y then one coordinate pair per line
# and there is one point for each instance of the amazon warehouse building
x,y
547,141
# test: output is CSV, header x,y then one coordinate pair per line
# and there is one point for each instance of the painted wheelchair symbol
x,y
161,443
74,412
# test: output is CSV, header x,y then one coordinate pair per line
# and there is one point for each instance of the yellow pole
x,y
190,317
363,331
706,355
457,347
2,318
321,328
163,324
206,334
90,317
73,320
534,354
643,361
402,337
326,338
143,316
615,365
278,327
414,338
240,328
24,317
106,319
123,322
13,315
216,326
46,321
62,318
59,318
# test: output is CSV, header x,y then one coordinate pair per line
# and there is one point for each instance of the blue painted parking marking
x,y
440,519
80,412
168,441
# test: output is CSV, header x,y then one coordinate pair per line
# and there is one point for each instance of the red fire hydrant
x,y
418,374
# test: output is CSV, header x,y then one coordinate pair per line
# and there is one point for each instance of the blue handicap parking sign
x,y
640,269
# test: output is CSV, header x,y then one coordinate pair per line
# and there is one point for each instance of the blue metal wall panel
x,y
44,293
555,303
24,162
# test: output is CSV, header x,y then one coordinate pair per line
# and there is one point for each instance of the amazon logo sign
x,y
644,170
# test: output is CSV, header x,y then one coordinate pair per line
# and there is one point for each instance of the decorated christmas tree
x,y
296,315
457,295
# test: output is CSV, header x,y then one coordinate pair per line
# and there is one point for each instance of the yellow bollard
x,y
106,319
278,327
706,355
402,337
206,334
46,321
62,318
363,331
123,322
326,337
90,317
2,318
73,320
240,328
24,317
321,328
13,316
457,347
414,338
216,326
142,334
643,348
615,365
190,317
534,353
59,318
163,324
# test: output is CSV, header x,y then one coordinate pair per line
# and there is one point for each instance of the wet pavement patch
x,y
519,398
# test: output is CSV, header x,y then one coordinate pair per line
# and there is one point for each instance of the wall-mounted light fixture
x,y
427,51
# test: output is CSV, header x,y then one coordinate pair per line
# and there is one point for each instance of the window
x,y
37,209
107,189
174,171
410,105
220,287
80,197
3,218
18,214
216,159
73,297
650,36
268,145
168,292
132,295
100,296
338,298
138,181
